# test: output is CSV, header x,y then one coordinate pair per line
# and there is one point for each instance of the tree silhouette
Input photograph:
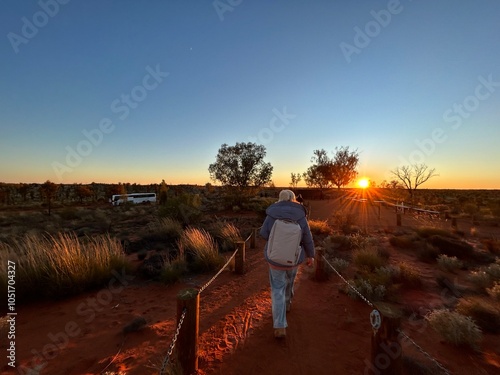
x,y
48,190
241,165
412,176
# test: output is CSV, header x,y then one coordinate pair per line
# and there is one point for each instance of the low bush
x,y
404,241
455,328
409,276
483,312
367,290
427,232
452,247
165,229
319,227
337,242
427,253
368,259
449,264
345,221
339,264
173,271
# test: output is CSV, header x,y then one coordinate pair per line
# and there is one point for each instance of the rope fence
x,y
188,314
385,323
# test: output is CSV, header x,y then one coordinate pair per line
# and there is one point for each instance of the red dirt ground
x,y
329,333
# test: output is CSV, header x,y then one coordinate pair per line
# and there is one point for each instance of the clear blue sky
x,y
140,91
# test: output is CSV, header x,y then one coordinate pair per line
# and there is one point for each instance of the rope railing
x,y
375,320
218,273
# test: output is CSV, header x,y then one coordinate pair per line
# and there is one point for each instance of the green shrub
x,y
429,232
455,328
346,221
480,278
166,229
452,246
409,276
403,242
365,287
484,313
368,258
173,271
185,208
339,264
60,265
427,253
449,264
337,242
198,247
319,227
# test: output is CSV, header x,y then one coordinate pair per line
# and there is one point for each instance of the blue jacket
x,y
293,211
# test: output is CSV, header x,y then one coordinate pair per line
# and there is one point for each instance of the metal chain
x,y
218,273
347,282
441,367
172,344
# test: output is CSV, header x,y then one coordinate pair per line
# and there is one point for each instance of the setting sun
x,y
363,183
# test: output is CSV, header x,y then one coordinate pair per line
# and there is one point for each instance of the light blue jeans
x,y
281,293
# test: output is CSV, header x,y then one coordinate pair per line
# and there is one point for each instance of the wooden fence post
x,y
386,350
398,220
253,237
187,341
320,271
239,261
379,205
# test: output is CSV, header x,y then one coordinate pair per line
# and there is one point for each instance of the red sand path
x,y
329,333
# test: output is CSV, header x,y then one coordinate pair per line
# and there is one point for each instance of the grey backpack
x,y
283,245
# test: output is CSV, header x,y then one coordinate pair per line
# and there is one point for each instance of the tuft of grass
x,y
200,250
368,258
449,264
455,328
319,227
60,265
165,228
482,311
229,234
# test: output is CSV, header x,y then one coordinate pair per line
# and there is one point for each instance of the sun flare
x,y
363,183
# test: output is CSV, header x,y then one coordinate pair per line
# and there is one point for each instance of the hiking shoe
x,y
280,333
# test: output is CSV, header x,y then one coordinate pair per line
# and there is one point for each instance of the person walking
x,y
282,277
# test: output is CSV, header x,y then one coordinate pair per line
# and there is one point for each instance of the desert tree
x,y
82,192
412,176
317,174
339,170
241,165
163,193
295,179
48,191
344,166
